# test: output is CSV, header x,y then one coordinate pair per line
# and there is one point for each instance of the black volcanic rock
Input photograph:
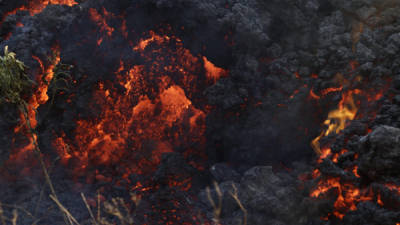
x,y
381,153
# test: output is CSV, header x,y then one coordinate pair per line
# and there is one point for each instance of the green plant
x,y
14,82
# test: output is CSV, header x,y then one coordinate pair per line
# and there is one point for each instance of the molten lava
x,y
37,6
101,21
348,195
151,116
213,73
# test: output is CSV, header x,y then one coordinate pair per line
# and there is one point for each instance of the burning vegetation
x,y
200,112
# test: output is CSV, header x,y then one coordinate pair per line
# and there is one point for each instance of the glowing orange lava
x,y
348,195
37,6
152,116
101,21
213,73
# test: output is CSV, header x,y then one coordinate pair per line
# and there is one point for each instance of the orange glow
x,y
213,73
336,155
393,187
37,6
22,154
313,95
355,171
40,96
325,153
153,38
338,118
294,93
330,90
379,200
316,173
152,115
101,21
348,195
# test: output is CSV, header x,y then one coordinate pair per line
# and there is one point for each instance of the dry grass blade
x,y
88,207
114,207
2,218
236,197
217,207
19,208
70,218
15,217
98,206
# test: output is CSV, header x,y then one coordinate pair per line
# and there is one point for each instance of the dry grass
x,y
217,205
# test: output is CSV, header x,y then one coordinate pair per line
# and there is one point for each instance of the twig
x,y
2,219
15,217
88,207
63,209
20,208
98,206
236,197
217,208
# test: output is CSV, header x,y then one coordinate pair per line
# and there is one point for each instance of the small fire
x,y
348,195
338,118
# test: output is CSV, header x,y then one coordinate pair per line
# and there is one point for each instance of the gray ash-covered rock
x,y
263,197
380,154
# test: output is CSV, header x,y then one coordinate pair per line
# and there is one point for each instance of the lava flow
x,y
37,6
154,114
348,194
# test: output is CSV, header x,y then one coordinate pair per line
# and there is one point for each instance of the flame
x,y
348,195
338,118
